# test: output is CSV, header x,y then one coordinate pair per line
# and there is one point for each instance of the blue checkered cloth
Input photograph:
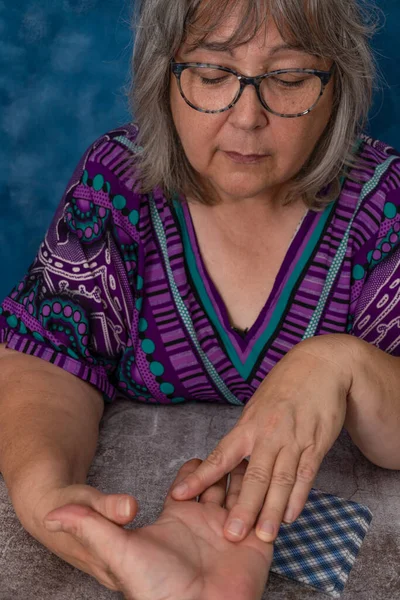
x,y
319,549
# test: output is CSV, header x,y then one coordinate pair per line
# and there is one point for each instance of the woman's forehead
x,y
267,41
213,30
223,21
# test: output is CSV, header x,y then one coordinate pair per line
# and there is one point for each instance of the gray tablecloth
x,y
140,450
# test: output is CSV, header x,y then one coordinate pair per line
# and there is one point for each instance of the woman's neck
x,y
240,223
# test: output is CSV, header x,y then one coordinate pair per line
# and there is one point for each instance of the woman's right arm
x,y
67,325
49,421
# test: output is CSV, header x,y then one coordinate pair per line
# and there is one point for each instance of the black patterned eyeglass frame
x,y
177,69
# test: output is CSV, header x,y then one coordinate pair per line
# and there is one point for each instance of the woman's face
x,y
247,128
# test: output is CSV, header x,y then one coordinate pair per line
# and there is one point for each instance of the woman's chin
x,y
240,190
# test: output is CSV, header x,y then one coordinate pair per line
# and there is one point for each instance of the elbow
x,y
391,462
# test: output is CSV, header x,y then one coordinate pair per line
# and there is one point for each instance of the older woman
x,y
238,243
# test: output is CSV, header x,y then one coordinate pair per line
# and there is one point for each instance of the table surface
x,y
140,449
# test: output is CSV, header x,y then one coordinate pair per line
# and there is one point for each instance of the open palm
x,y
184,555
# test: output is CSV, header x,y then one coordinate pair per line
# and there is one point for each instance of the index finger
x,y
187,468
226,456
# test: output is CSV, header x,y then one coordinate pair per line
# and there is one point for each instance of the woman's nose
x,y
248,112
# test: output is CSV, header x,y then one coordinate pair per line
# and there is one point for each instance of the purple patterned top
x,y
119,296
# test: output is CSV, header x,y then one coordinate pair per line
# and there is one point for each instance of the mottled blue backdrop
x,y
64,67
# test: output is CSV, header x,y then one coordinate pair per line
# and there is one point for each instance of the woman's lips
x,y
249,158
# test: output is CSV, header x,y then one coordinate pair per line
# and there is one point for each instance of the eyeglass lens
x,y
213,89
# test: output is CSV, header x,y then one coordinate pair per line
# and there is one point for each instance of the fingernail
x,y
236,527
124,508
181,489
288,516
267,530
53,525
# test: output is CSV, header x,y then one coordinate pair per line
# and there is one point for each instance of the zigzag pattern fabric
x,y
118,293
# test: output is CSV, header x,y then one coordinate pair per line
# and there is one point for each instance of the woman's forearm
x,y
48,427
373,410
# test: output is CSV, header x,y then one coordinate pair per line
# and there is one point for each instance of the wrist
x,y
341,351
28,490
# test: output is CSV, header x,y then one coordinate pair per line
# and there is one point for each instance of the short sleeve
x,y
74,306
375,306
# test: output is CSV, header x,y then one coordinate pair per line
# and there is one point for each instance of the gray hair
x,y
333,29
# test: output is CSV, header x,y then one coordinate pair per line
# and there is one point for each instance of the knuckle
x,y
256,475
217,457
283,478
306,473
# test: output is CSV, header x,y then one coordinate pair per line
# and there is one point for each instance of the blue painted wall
x,y
63,68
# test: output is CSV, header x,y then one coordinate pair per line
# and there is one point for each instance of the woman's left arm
x,y
322,384
373,404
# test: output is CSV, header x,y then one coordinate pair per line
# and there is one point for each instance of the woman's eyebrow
x,y
215,46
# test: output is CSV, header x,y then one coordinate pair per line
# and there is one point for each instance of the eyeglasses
x,y
286,93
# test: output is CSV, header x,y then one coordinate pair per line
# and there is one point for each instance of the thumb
x,y
118,508
95,532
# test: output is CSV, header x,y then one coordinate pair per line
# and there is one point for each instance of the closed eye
x,y
288,84
216,81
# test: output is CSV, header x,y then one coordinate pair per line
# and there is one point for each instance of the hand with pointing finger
x,y
287,427
183,555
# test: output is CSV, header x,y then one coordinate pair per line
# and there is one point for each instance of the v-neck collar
x,y
214,293
244,351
